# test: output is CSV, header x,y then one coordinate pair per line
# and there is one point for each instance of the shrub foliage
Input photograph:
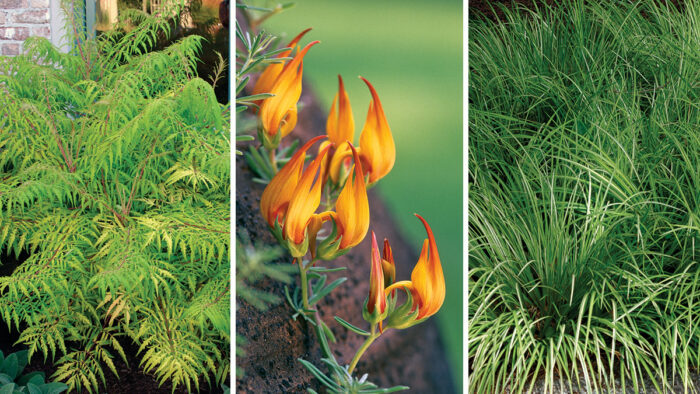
x,y
114,161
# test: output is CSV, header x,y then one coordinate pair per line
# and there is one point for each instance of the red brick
x,y
10,49
40,3
12,4
14,33
43,31
36,16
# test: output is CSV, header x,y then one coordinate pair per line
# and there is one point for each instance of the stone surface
x,y
33,16
14,33
43,31
40,3
10,49
12,4
20,19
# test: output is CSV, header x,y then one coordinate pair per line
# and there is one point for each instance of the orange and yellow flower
x,y
278,114
268,77
340,125
427,284
279,192
292,197
377,150
376,142
388,266
352,208
375,309
351,216
305,200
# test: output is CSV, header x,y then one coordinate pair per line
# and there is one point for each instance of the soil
x,y
413,357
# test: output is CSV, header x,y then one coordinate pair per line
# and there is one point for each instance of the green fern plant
x,y
115,179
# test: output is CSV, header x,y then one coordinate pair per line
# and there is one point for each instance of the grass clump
x,y
584,212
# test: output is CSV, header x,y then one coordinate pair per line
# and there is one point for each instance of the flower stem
x,y
273,160
304,286
363,348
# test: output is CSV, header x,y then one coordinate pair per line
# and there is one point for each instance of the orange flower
x,y
341,125
305,200
278,114
388,265
376,143
352,208
375,309
279,192
427,284
340,163
351,216
268,77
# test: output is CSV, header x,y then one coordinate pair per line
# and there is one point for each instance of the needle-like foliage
x,y
114,180
584,212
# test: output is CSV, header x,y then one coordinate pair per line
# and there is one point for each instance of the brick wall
x,y
20,19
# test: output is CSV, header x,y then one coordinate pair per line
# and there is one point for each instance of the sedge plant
x,y
584,193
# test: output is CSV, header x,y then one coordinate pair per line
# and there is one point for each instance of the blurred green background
x,y
411,51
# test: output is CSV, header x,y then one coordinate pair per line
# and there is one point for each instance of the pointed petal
x,y
340,125
279,191
305,201
376,141
352,207
268,77
286,90
388,265
427,276
377,298
314,227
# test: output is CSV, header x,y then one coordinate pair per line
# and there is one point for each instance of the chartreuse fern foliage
x,y
584,212
115,180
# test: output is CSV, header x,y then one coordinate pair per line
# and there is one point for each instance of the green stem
x,y
363,348
304,286
273,161
313,314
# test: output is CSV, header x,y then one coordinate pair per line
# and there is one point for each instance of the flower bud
x,y
388,264
375,309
